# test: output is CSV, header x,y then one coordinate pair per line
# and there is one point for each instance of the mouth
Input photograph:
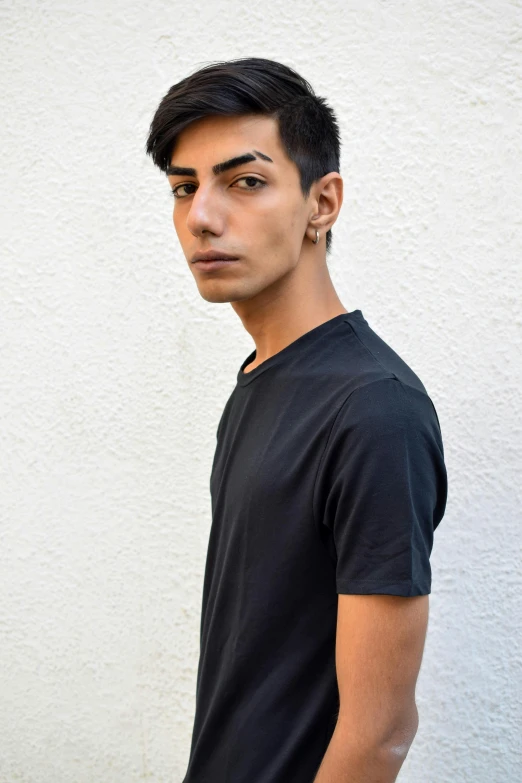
x,y
211,259
212,255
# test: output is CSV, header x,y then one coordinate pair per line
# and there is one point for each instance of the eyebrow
x,y
219,168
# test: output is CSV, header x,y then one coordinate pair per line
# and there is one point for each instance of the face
x,y
251,209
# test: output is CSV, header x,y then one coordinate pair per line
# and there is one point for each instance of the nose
x,y
204,213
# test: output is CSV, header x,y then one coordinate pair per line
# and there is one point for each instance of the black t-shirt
x,y
328,477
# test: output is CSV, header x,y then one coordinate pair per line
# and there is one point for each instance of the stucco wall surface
x,y
115,371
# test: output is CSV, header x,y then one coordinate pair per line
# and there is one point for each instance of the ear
x,y
327,199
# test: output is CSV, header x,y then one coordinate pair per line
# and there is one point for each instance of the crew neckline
x,y
244,378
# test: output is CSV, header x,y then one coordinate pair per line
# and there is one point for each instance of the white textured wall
x,y
115,371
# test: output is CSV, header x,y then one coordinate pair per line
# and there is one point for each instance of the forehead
x,y
211,139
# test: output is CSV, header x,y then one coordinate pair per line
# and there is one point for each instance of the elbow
x,y
391,739
401,736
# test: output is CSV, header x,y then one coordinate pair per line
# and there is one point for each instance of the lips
x,y
213,255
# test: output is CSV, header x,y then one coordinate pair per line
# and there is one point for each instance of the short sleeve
x,y
381,489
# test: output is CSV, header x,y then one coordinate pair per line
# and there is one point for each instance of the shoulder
x,y
384,406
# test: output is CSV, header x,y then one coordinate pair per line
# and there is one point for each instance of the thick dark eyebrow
x,y
219,168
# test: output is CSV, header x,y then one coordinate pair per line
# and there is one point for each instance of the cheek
x,y
279,221
285,229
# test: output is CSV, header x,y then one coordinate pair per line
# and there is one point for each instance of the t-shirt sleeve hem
x,y
406,589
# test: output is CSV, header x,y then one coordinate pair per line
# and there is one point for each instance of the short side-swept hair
x,y
252,85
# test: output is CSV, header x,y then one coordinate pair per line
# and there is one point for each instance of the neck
x,y
288,309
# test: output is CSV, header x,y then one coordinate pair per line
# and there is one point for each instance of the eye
x,y
177,194
252,182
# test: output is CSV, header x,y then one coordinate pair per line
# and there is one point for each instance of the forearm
x,y
348,762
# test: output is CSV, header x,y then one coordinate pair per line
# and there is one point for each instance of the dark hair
x,y
252,85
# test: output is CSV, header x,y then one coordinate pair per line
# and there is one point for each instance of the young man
x,y
328,478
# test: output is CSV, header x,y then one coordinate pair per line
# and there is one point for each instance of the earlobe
x,y
315,240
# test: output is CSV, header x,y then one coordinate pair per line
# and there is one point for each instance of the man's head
x,y
265,208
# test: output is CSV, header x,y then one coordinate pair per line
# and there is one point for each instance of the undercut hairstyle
x,y
308,127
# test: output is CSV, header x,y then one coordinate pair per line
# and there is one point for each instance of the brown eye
x,y
176,191
252,182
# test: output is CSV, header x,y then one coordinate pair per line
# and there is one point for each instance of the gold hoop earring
x,y
316,240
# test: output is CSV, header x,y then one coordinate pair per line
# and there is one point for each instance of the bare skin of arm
x,y
379,647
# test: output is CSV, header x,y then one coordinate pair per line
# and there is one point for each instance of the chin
x,y
215,296
221,294
216,293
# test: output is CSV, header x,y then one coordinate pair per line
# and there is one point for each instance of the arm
x,y
379,646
